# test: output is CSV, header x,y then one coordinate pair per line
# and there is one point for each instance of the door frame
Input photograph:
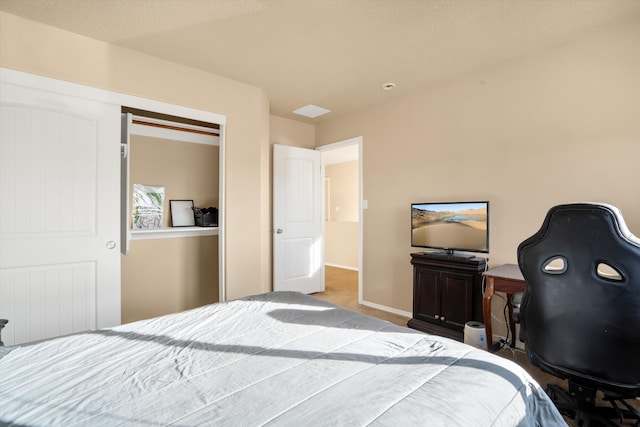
x,y
362,204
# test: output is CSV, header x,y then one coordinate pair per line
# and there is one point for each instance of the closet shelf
x,y
173,232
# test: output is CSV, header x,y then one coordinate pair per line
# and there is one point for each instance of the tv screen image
x,y
453,226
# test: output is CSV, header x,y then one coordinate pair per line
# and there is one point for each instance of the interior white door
x,y
298,246
59,213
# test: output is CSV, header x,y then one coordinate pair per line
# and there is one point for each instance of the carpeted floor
x,y
341,288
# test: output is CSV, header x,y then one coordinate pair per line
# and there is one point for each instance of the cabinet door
x,y
457,305
427,295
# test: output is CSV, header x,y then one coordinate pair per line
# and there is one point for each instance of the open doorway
x,y
342,214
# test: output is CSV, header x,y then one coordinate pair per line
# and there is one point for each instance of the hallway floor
x,y
341,288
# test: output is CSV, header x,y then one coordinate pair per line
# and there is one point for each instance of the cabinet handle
x,y
436,316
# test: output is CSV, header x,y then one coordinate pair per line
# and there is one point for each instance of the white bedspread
x,y
279,358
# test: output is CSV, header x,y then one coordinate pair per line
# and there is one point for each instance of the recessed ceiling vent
x,y
311,111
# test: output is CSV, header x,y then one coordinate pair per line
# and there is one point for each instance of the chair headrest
x,y
624,230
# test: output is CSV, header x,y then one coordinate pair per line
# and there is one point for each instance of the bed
x,y
281,358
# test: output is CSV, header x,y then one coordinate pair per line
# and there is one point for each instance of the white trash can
x,y
475,335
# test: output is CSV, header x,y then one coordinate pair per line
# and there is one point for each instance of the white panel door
x,y
59,213
298,246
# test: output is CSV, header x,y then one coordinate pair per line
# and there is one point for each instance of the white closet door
x,y
59,213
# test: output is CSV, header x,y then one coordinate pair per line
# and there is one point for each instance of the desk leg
x,y
512,323
486,312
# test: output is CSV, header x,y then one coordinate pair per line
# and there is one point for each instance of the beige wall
x,y
39,49
341,244
290,132
557,126
186,170
168,275
343,198
341,229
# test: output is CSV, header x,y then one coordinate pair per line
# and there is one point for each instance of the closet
x,y
67,160
170,268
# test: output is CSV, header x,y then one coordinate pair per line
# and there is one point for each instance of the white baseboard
x,y
387,309
345,267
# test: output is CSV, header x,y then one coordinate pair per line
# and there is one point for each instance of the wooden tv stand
x,y
447,293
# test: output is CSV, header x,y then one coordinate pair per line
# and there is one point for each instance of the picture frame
x,y
182,213
148,201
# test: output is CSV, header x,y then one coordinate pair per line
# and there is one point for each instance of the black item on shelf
x,y
206,217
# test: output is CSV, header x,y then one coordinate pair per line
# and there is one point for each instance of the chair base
x,y
579,404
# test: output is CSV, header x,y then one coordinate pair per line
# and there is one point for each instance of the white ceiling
x,y
332,53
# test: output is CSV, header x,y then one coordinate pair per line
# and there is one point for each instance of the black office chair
x,y
580,313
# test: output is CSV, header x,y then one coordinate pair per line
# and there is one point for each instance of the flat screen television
x,y
451,226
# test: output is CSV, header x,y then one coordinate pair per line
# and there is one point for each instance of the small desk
x,y
505,278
